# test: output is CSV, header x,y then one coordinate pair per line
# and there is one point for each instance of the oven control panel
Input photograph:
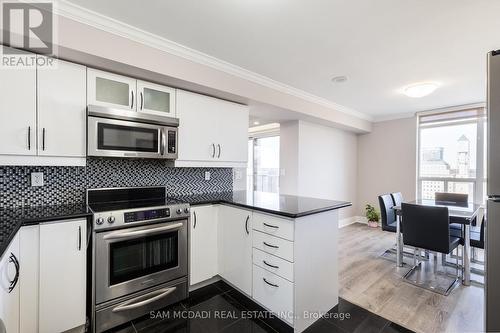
x,y
120,218
145,215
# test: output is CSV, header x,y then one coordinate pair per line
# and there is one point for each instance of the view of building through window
x,y
452,158
263,164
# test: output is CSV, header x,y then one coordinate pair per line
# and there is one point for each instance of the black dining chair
x,y
455,199
397,197
428,228
477,240
387,213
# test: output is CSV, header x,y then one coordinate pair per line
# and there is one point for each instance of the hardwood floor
x,y
375,283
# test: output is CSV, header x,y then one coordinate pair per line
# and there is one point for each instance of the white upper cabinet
x,y
232,132
155,99
212,132
203,261
62,293
235,247
111,90
10,271
18,110
61,110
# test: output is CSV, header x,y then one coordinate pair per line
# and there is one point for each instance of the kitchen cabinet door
x,y
62,110
197,127
18,109
155,99
9,286
203,251
232,132
235,247
111,90
62,292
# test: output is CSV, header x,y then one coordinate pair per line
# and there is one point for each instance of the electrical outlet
x,y
37,179
207,175
237,174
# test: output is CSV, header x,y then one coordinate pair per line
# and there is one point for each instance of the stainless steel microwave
x,y
121,133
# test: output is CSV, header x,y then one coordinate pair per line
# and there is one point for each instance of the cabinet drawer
x,y
273,264
274,293
274,245
274,225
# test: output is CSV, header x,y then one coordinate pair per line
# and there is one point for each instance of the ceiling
x,y
381,46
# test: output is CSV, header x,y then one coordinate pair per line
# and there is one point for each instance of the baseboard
x,y
351,220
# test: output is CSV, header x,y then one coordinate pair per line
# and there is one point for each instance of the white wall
x,y
387,161
320,162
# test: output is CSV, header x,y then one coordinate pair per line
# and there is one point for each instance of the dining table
x,y
464,214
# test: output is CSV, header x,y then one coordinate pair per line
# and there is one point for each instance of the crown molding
x,y
113,26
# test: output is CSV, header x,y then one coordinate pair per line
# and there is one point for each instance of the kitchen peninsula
x,y
279,250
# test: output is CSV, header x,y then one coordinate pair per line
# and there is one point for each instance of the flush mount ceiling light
x,y
256,123
339,79
418,90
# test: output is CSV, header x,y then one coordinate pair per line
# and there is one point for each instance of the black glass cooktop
x,y
128,198
120,205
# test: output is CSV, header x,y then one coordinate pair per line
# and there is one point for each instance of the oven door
x,y
120,138
132,259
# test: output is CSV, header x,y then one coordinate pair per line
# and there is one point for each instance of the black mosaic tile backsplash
x,y
67,185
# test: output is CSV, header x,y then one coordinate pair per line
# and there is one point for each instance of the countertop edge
x,y
271,211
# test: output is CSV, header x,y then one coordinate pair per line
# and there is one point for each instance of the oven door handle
x,y
145,232
133,304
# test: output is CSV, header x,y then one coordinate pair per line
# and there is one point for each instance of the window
x,y
452,154
263,164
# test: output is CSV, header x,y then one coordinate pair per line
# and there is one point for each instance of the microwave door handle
x,y
145,232
140,301
162,142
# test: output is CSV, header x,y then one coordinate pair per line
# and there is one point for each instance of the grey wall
x,y
65,185
387,161
320,162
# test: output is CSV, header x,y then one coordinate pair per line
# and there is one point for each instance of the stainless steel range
x,y
140,253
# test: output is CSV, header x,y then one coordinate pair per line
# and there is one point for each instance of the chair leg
x,y
415,251
456,262
435,255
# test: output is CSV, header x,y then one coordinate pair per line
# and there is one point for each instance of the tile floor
x,y
223,299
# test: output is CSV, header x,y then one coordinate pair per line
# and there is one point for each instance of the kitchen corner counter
x,y
290,206
12,219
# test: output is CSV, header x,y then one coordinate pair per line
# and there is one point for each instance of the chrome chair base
x,y
425,275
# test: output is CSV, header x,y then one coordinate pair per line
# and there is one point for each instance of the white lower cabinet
x,y
235,247
203,261
62,292
273,292
9,287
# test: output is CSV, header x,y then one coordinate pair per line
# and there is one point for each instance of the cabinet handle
x,y
265,263
271,284
79,238
273,246
218,146
132,104
142,101
43,138
13,283
213,150
29,137
246,225
271,226
194,215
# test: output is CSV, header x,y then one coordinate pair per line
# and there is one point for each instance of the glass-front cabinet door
x,y
155,99
111,90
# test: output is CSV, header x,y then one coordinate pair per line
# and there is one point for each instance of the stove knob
x,y
99,221
111,219
186,210
179,211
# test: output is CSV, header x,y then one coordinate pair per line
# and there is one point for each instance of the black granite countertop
x,y
11,219
279,204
